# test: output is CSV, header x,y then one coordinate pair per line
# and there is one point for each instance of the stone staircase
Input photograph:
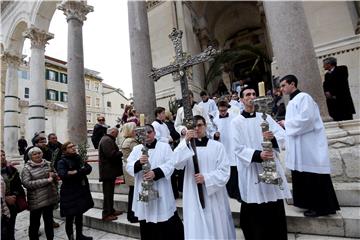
x,y
345,224
344,143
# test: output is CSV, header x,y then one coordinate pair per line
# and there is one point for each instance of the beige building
x,y
101,99
114,102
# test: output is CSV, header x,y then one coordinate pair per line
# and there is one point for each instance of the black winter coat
x,y
341,105
75,195
98,132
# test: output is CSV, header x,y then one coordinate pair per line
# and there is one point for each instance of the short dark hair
x,y
223,103
289,79
203,93
159,110
51,134
330,60
245,88
198,117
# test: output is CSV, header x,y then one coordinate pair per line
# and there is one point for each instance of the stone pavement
x,y
22,224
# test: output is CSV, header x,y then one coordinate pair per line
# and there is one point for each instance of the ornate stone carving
x,y
151,4
11,59
75,9
39,38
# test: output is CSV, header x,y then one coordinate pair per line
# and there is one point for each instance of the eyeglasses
x,y
101,120
199,125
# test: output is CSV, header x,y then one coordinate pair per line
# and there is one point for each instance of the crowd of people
x,y
228,148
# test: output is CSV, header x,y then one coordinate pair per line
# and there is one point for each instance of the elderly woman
x,y
129,142
14,192
40,181
75,196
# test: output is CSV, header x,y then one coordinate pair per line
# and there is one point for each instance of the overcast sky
x,y
105,38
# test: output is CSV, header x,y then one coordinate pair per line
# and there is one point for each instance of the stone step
x,y
343,224
121,226
348,194
96,186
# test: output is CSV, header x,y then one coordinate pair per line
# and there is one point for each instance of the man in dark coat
x,y
337,91
110,167
54,147
22,144
99,131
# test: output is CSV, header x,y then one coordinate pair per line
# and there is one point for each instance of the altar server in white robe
x,y
196,110
262,214
161,129
235,102
158,218
207,104
215,220
223,133
307,153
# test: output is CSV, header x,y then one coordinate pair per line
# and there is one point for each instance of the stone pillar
x,y
38,39
141,62
293,47
75,12
11,105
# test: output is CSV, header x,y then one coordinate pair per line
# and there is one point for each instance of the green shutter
x,y
56,77
46,74
47,94
56,95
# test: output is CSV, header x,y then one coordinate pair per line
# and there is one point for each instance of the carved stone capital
x,y
39,38
11,59
75,9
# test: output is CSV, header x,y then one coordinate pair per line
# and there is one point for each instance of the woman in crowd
x,y
128,132
133,117
75,196
14,191
40,181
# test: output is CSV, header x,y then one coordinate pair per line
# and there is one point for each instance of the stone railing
x,y
344,150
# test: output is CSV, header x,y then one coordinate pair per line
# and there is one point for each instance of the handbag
x,y
21,203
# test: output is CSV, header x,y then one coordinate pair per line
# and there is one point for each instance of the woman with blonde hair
x,y
129,142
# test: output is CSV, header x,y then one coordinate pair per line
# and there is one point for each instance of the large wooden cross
x,y
179,67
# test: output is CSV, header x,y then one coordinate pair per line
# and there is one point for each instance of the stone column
x,y
293,47
141,62
75,12
11,105
37,99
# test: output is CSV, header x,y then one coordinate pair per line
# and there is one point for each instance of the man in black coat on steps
x,y
337,91
110,167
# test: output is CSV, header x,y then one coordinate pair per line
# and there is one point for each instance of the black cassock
x,y
340,106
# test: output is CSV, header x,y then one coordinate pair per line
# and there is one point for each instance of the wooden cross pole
x,y
179,67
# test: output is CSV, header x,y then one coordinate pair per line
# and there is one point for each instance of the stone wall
x,y
344,151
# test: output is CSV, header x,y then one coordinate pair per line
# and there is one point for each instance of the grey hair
x,y
110,130
34,150
330,60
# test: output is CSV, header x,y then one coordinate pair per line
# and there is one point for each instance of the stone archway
x,y
21,17
237,27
